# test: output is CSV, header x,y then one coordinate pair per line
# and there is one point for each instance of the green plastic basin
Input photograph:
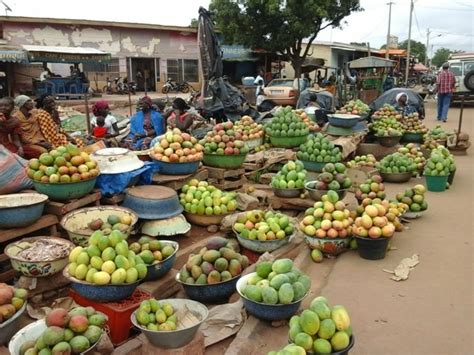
x,y
65,191
288,142
224,161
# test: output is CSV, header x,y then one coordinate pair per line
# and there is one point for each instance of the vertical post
x,y
407,69
427,46
388,32
460,119
144,77
130,103
88,117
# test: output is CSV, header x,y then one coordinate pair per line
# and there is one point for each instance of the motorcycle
x,y
119,86
171,85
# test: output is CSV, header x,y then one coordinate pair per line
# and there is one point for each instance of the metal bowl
x,y
36,268
204,220
340,352
101,293
313,166
343,119
18,210
264,311
261,246
396,177
233,161
389,141
11,326
75,222
412,215
318,194
167,227
166,168
179,337
328,246
288,142
153,202
287,192
213,293
160,268
32,332
65,191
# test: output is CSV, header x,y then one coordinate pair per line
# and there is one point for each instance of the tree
x,y
194,23
441,55
279,26
417,49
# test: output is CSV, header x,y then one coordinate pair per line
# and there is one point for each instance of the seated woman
x,y
102,115
32,141
144,126
50,123
402,105
180,117
10,127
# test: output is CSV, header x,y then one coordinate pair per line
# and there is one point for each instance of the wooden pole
x,y
88,117
460,119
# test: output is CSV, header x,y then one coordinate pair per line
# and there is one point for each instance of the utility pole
x,y
389,23
427,46
407,69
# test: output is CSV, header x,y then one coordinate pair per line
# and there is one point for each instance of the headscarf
x,y
147,100
180,104
21,100
99,106
399,95
40,100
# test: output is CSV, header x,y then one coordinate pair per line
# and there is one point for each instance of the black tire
x,y
165,89
411,83
265,106
469,80
185,89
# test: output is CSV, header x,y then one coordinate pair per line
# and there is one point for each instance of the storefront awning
x,y
13,55
52,54
371,62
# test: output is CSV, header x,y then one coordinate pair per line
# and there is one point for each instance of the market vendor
x,y
101,111
10,127
180,117
144,126
50,123
402,104
33,142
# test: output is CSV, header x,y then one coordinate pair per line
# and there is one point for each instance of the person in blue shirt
x,y
145,125
402,105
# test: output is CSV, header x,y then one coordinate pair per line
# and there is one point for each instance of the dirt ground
x,y
431,312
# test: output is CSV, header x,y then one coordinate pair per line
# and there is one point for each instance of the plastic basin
x,y
224,161
328,246
180,337
396,177
213,293
287,193
204,220
318,194
288,142
161,268
261,246
65,191
340,352
389,141
269,312
436,183
343,119
313,166
372,249
75,222
18,210
187,168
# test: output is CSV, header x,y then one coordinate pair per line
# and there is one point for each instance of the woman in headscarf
x,y
402,104
180,117
50,123
101,111
32,140
144,126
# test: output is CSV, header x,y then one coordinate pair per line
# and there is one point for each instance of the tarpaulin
x,y
110,184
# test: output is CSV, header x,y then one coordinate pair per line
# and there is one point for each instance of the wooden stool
x,y
61,208
226,179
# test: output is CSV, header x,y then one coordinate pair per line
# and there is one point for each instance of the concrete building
x,y
158,52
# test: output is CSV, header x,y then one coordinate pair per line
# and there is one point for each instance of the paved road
x,y
431,312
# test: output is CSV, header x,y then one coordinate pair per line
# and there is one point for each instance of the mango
x,y
122,248
291,276
309,322
61,348
211,256
263,269
79,344
68,334
75,253
228,253
90,275
122,262
201,280
207,267
340,341
294,330
321,309
294,321
142,317
221,264
304,340
278,281
101,278
193,260
81,272
53,335
327,329
254,279
216,243
183,274
299,290
93,250
118,276
322,346
40,344
214,277
340,317
160,316
98,319
269,295
282,266
196,271
46,351
253,292
26,345
108,254
235,268
305,281
286,294
226,275
132,275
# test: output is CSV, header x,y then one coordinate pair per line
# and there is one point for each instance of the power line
x,y
445,8
417,25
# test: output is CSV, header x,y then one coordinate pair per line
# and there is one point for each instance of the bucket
x,y
451,177
436,183
372,249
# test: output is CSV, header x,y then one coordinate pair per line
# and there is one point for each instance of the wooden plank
x,y
45,221
113,200
228,184
300,204
61,208
8,275
219,173
176,182
251,167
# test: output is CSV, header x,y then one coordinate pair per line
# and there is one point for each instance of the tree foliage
x,y
194,22
417,49
279,26
441,55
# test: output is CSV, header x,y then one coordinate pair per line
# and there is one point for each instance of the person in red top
x,y
446,85
99,130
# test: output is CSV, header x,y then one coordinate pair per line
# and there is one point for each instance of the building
x,y
157,52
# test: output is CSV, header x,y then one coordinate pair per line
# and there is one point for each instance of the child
x,y
100,130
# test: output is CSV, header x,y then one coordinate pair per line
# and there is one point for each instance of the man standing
x,y
446,85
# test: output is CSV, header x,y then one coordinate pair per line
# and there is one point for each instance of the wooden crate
x,y
227,179
61,208
9,235
176,182
113,200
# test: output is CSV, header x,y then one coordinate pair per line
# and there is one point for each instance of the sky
x,y
451,22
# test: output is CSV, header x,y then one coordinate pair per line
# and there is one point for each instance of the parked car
x,y
463,69
282,92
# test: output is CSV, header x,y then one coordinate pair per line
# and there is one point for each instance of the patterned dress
x,y
53,132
